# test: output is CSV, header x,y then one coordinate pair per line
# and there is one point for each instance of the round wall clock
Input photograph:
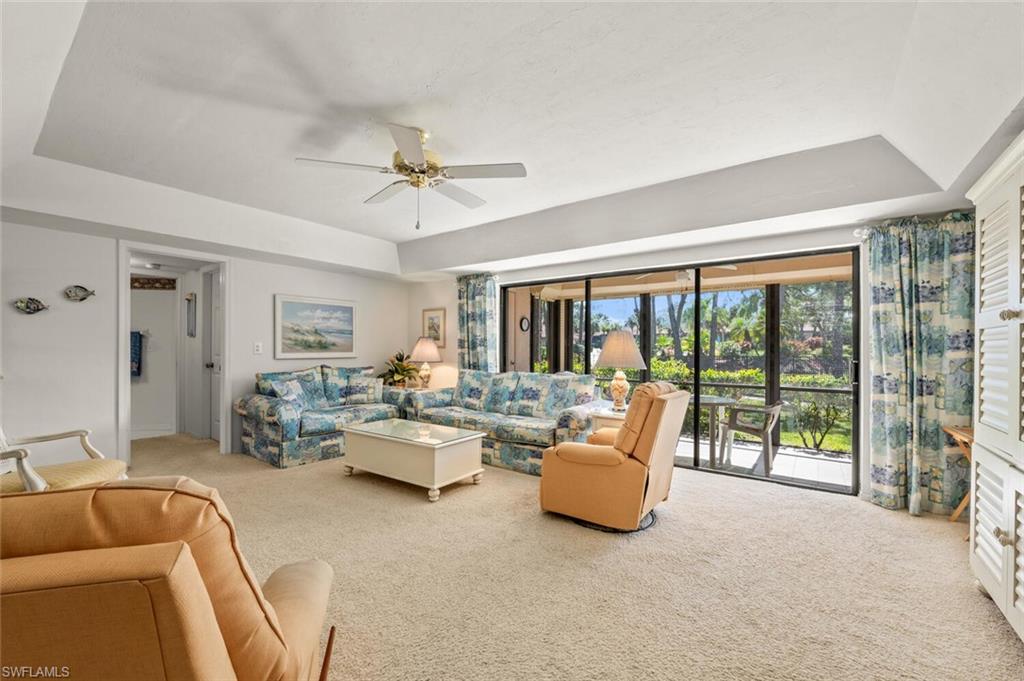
x,y
524,324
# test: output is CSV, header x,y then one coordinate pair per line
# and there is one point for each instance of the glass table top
x,y
716,400
413,431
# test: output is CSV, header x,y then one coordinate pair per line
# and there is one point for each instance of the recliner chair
x,y
144,579
620,474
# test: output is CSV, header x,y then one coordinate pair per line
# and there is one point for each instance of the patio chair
x,y
761,425
94,470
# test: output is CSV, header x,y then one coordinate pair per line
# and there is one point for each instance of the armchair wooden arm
x,y
32,481
82,435
97,468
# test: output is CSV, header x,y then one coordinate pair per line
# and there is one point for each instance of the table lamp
x,y
620,352
425,351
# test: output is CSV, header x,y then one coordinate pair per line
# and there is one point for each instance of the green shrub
x,y
821,421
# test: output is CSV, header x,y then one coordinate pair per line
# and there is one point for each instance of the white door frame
x,y
123,415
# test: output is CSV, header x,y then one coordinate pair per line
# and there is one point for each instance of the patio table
x,y
713,403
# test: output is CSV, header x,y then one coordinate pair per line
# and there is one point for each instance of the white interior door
x,y
216,354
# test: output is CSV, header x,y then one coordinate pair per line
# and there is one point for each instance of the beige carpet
x,y
738,580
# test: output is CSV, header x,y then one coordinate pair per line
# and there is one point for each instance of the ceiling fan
x,y
422,168
687,274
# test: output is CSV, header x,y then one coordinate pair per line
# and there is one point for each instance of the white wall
x,y
154,393
429,295
58,365
382,322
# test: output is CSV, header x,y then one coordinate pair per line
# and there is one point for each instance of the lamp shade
x,y
620,352
425,351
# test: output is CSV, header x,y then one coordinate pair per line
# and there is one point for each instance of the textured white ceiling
x,y
216,99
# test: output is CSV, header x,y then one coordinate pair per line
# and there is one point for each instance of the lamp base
x,y
424,375
619,389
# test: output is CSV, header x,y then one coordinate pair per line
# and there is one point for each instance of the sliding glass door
x,y
816,338
767,347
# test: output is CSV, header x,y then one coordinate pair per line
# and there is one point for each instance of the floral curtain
x,y
478,322
922,351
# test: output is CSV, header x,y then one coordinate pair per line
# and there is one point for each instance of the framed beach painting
x,y
433,325
313,328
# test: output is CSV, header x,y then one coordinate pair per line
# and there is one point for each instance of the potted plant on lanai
x,y
398,370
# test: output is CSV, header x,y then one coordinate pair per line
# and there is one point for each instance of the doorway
x,y
172,344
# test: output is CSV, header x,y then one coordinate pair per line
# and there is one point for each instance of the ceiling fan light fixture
x,y
423,168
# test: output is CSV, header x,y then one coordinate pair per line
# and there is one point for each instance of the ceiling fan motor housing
x,y
419,177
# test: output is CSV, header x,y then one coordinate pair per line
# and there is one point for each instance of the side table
x,y
606,418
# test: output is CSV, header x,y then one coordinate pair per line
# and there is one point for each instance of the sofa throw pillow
x,y
364,390
569,390
336,382
311,380
290,390
472,389
503,386
530,395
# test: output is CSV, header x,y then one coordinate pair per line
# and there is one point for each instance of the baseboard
x,y
151,431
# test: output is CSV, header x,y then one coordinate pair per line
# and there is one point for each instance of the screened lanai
x,y
771,331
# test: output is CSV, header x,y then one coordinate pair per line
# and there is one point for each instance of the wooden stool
x,y
964,438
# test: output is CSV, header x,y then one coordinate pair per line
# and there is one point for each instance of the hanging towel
x,y
136,353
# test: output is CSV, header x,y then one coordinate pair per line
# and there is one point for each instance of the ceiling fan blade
x,y
459,195
388,192
485,170
341,166
409,144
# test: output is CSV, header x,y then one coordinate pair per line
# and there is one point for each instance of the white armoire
x,y
997,474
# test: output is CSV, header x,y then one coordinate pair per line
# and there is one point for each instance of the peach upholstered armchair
x,y
144,579
620,474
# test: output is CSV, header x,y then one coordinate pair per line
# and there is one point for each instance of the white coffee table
x,y
421,454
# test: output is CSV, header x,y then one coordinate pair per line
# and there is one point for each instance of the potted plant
x,y
398,370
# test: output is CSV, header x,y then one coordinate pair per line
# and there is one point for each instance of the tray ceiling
x,y
218,98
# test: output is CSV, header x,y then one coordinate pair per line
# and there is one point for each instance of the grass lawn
x,y
838,441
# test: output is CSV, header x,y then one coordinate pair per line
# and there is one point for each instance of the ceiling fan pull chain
x,y
417,207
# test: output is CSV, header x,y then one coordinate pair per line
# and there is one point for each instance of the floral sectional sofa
x,y
297,417
521,413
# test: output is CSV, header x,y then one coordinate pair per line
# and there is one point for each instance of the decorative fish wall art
x,y
78,293
30,305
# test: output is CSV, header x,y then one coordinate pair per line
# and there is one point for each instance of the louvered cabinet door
x,y
991,480
999,419
1015,609
1018,321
